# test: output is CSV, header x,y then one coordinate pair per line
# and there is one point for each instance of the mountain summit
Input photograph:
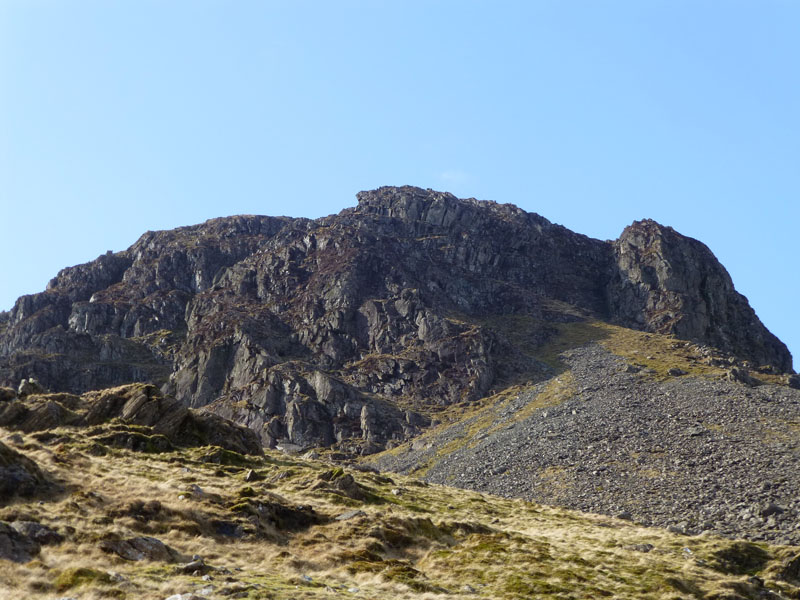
x,y
356,330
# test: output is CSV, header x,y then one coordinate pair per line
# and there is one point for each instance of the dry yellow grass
x,y
412,541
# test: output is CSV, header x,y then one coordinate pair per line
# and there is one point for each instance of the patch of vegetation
x,y
78,576
283,540
220,456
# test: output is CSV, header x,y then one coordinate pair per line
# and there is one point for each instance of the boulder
x,y
140,548
28,387
15,546
133,406
20,476
741,375
790,570
41,534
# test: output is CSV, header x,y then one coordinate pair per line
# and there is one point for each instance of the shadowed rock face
x,y
343,330
20,476
669,283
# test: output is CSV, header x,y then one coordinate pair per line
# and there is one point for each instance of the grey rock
x,y
195,566
170,421
15,546
676,529
790,570
310,332
688,446
741,375
252,475
21,476
28,387
351,514
771,509
669,283
41,534
140,548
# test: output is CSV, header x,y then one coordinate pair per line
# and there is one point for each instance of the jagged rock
x,y
316,332
195,566
15,546
669,283
793,381
140,548
770,509
351,514
339,482
791,569
7,394
252,475
20,476
742,376
41,534
28,387
169,421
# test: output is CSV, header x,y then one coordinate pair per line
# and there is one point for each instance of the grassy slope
x,y
414,540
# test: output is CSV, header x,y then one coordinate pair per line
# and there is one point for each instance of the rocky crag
x,y
357,331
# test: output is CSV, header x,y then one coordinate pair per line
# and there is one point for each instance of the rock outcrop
x,y
20,476
15,546
140,418
353,330
669,283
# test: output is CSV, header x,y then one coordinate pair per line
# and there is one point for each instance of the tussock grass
x,y
410,540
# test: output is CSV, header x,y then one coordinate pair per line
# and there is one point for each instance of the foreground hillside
x,y
92,518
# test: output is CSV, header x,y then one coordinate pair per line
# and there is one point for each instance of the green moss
x,y
244,508
525,586
364,566
333,474
75,577
220,456
408,576
247,492
684,586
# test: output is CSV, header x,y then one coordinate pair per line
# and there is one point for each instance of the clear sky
x,y
121,116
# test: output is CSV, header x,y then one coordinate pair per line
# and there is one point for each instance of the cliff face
x,y
351,330
665,282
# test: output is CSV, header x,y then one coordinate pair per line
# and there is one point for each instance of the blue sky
x,y
121,116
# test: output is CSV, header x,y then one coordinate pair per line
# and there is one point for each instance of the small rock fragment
x,y
253,476
351,514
